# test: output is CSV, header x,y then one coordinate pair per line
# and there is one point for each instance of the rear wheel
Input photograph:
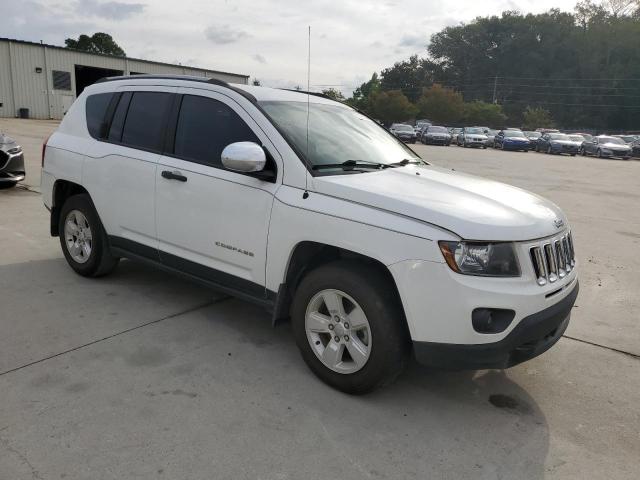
x,y
83,239
349,327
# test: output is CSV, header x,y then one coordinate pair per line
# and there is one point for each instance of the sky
x,y
264,39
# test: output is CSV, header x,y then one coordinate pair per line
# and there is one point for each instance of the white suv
x,y
307,207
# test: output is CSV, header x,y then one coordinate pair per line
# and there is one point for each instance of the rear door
x,y
120,175
213,222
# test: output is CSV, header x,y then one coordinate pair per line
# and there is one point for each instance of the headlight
x,y
479,258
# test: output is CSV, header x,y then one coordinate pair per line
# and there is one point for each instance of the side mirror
x,y
245,157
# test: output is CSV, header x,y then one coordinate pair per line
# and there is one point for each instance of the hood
x,y
516,139
472,207
615,146
565,142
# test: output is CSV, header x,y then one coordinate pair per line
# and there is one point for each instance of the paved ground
x,y
143,375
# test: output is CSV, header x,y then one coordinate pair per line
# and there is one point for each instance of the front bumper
x,y
516,146
564,149
11,167
437,140
534,335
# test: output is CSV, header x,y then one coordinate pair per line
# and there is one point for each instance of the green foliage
x,y
441,105
483,113
582,67
409,76
537,118
97,43
362,95
334,93
392,106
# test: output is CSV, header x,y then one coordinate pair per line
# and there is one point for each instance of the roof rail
x,y
189,78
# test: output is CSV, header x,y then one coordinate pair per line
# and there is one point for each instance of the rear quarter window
x,y
96,107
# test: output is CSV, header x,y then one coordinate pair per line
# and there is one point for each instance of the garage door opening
x,y
86,76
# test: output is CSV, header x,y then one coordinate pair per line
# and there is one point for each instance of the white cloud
x,y
350,39
224,34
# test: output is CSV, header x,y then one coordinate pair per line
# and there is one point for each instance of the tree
x,y
334,93
409,76
483,113
392,106
537,118
361,96
441,105
97,43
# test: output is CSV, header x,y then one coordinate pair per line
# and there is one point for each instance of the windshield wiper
x,y
350,165
404,162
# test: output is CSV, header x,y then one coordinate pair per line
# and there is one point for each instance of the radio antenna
x,y
306,173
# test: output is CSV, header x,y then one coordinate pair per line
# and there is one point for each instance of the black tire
x,y
7,185
389,335
100,261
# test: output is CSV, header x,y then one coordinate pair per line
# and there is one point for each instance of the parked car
x,y
628,139
404,132
635,148
604,146
533,138
12,168
471,137
454,131
490,134
435,135
421,130
558,143
366,252
511,140
423,122
586,136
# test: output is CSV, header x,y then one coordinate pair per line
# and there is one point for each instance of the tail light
x,y
44,149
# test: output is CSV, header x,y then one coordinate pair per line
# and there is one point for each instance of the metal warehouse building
x,y
46,79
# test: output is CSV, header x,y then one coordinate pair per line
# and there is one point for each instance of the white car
x,y
370,251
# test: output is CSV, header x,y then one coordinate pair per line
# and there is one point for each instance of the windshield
x,y
492,133
437,130
406,128
514,133
533,134
627,138
577,138
559,136
336,134
475,131
617,141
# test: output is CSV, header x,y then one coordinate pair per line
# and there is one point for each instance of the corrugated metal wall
x,y
26,78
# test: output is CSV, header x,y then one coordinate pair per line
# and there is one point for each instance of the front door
x,y
213,222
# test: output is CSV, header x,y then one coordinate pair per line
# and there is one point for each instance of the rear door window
x,y
145,120
205,127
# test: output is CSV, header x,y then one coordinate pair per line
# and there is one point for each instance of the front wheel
x,y
83,239
349,326
5,185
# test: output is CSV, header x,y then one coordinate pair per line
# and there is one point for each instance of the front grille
x,y
553,259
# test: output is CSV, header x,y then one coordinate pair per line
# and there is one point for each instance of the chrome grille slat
x,y
553,259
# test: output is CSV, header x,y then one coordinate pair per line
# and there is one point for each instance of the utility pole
x,y
495,87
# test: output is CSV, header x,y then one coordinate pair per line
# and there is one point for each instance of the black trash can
x,y
23,113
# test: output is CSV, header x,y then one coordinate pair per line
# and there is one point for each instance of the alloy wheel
x,y
338,331
78,237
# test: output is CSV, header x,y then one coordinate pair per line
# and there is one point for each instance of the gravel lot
x,y
144,375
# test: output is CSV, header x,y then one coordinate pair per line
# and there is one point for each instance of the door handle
x,y
175,175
